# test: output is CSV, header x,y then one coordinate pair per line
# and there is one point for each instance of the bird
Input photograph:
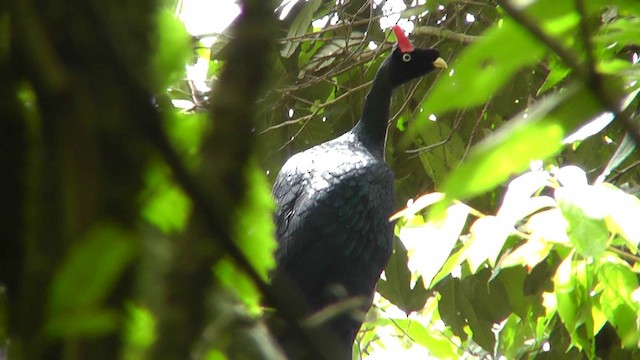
x,y
334,200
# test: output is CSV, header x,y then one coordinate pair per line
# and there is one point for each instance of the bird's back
x,y
333,205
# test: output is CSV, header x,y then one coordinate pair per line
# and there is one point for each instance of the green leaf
x,y
397,286
538,134
621,32
558,73
452,262
616,300
439,346
484,67
90,270
299,26
585,207
623,214
573,301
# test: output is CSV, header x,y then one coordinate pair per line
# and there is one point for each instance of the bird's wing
x,y
325,218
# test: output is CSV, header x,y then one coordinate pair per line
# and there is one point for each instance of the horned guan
x,y
333,202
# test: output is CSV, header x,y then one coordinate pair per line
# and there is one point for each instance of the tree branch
x,y
445,34
586,73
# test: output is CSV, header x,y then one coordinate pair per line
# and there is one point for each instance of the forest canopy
x,y
137,216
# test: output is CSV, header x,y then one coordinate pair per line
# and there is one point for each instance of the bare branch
x,y
445,34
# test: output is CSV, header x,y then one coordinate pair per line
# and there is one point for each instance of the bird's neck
x,y
371,129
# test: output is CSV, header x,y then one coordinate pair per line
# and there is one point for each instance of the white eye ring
x,y
406,57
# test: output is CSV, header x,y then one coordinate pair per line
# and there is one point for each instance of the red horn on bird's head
x,y
403,42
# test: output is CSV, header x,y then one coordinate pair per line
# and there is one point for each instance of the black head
x,y
407,63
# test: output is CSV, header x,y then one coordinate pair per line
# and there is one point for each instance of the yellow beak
x,y
440,63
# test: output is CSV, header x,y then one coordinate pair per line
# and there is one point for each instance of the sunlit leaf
x,y
529,254
548,226
430,245
488,235
518,201
623,214
417,205
571,176
585,207
439,346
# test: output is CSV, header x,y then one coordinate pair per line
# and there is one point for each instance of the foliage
x,y
143,231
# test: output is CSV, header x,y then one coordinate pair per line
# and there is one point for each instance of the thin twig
x,y
319,107
624,254
445,34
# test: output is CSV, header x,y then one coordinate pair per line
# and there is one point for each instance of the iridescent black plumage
x,y
334,201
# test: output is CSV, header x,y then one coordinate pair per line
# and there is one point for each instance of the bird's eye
x,y
406,57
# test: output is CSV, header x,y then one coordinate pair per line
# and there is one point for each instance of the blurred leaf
x,y
83,322
254,227
173,48
89,272
238,283
186,131
140,330
397,286
415,11
483,68
621,32
164,203
253,231
299,26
